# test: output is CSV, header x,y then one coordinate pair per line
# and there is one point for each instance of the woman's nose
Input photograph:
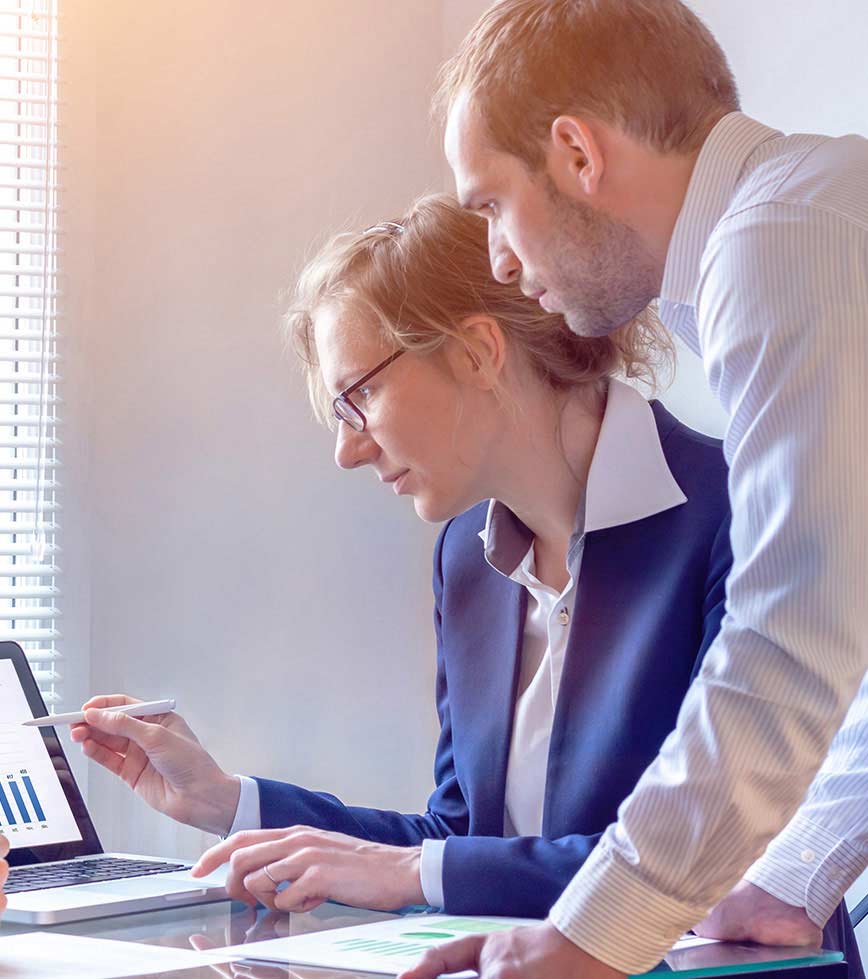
x,y
354,449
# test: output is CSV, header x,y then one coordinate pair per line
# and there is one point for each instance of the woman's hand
x,y
319,866
4,869
161,760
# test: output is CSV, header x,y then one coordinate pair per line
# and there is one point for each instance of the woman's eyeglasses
x,y
345,411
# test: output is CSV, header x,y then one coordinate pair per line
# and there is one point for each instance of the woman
x,y
578,582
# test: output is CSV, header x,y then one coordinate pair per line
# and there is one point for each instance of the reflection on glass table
x,y
218,926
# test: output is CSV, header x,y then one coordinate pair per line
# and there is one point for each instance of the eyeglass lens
x,y
346,411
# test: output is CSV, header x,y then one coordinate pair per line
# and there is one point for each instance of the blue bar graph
x,y
7,809
12,798
34,799
16,794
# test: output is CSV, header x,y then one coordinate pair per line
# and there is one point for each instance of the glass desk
x,y
222,924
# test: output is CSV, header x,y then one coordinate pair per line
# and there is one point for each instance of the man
x,y
601,139
4,869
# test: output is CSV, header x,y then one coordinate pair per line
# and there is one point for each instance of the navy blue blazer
x,y
649,601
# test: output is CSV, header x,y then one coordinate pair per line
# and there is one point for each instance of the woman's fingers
x,y
309,891
221,852
110,700
127,766
103,756
84,732
247,870
143,733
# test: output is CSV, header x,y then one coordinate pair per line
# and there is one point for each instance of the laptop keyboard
x,y
37,877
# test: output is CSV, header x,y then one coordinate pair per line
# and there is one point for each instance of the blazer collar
x,y
629,480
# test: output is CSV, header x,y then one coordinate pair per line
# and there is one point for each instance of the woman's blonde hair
x,y
419,277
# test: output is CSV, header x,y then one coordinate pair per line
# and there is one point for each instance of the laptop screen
x,y
41,810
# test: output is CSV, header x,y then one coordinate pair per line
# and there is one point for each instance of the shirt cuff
x,y
431,872
809,867
247,815
617,918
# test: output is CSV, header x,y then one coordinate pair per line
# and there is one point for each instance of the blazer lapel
x,y
483,668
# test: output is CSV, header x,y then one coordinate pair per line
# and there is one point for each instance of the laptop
x,y
58,869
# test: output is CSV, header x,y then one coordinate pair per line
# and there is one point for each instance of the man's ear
x,y
479,354
575,156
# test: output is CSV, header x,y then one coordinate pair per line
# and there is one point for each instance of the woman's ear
x,y
477,356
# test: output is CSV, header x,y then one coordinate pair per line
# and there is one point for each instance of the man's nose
x,y
505,265
354,449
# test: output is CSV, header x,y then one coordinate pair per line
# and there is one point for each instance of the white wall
x,y
286,605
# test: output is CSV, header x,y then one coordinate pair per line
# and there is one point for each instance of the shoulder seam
x,y
807,205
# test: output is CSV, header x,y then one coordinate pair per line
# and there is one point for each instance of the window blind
x,y
29,461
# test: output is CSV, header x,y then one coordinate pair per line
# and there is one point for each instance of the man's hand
x,y
4,869
748,913
161,760
534,952
319,865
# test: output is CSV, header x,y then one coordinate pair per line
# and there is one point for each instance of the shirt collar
x,y
629,480
718,168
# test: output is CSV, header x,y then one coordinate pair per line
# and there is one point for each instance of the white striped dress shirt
x,y
767,277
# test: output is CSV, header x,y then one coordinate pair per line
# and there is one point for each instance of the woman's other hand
x,y
162,761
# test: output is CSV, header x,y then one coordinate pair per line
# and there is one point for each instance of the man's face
x,y
572,257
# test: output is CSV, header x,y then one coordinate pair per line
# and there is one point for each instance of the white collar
x,y
629,478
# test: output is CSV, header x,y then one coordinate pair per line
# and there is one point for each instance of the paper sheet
x,y
48,955
692,941
384,947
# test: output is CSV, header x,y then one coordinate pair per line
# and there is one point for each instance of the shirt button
x,y
808,856
564,616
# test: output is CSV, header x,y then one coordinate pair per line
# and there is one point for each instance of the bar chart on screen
x,y
33,806
19,801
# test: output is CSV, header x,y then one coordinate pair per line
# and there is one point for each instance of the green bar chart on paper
x,y
415,940
386,947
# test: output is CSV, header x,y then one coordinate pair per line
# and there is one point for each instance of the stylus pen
x,y
131,710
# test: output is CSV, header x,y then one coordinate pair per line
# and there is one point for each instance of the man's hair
x,y
649,67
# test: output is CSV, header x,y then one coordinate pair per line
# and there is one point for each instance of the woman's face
x,y
428,433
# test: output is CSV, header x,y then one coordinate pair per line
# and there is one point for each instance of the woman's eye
x,y
363,392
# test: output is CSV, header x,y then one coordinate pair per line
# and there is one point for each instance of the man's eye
x,y
364,392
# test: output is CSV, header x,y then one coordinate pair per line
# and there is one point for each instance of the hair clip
x,y
385,226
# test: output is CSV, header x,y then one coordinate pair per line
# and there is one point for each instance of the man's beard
x,y
601,272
